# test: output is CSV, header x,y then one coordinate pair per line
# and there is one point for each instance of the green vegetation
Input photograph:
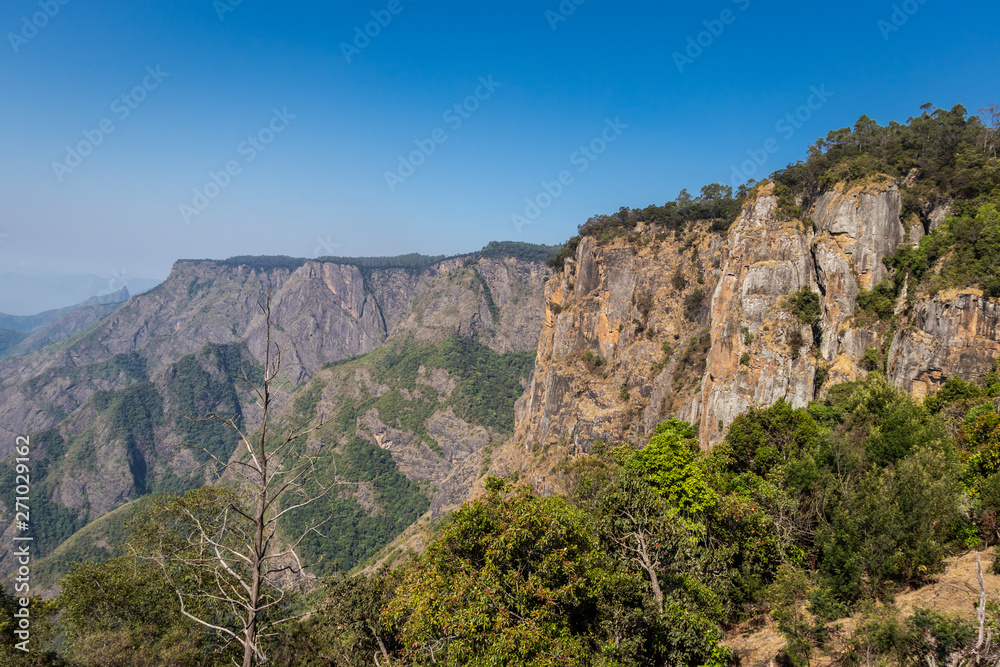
x,y
515,579
716,203
592,361
805,306
691,364
525,252
487,295
203,383
350,534
9,339
880,300
305,403
42,618
125,612
787,208
694,303
966,249
52,522
811,514
948,153
96,542
488,384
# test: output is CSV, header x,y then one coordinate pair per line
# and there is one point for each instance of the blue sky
x,y
224,70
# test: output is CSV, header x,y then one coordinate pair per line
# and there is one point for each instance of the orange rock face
x,y
618,354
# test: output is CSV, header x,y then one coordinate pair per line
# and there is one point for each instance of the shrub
x,y
644,302
592,361
821,373
693,304
805,306
870,362
787,208
795,341
880,300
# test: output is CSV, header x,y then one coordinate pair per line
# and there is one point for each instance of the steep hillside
x,y
27,323
656,323
108,407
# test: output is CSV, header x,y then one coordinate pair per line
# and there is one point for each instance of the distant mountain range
x,y
416,360
25,295
26,334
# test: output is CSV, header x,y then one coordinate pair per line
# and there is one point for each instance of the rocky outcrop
x,y
955,333
620,345
759,352
322,313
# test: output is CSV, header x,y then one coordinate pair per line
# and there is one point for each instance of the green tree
x,y
788,596
349,629
668,465
125,612
41,632
516,579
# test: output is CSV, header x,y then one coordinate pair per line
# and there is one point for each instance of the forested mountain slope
x,y
109,407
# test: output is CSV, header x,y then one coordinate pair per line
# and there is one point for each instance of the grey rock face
x,y
957,333
322,313
766,261
759,352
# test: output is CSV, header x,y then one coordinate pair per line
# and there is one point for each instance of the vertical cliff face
x,y
836,253
955,333
758,352
755,358
623,344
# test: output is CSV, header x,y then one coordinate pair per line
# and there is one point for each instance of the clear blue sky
x,y
323,177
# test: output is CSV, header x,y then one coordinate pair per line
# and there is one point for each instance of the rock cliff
x,y
618,347
106,407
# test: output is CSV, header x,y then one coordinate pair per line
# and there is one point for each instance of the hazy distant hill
x,y
26,324
24,295
69,322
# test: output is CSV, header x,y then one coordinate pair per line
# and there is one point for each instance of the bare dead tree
x,y
234,541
